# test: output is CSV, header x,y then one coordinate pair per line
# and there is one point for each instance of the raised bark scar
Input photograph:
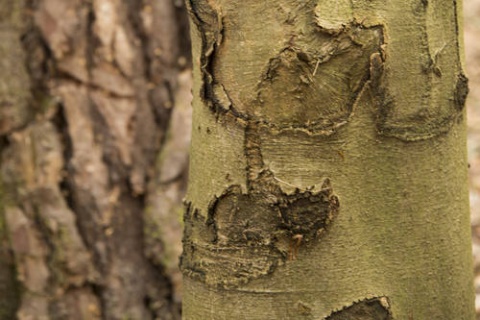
x,y
248,235
310,85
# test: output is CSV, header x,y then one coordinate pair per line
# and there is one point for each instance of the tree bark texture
x,y
328,175
94,129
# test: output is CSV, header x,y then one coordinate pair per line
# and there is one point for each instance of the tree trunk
x,y
328,174
94,134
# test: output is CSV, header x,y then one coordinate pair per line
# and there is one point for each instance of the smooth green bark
x,y
328,168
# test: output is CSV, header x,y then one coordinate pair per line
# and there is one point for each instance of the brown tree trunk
x,y
328,162
94,131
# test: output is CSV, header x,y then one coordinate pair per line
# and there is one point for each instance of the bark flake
x,y
461,91
207,17
442,99
369,309
312,85
249,235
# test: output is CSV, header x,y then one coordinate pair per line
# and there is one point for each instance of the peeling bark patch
x,y
209,256
307,214
425,123
323,69
209,22
328,73
461,91
432,95
368,309
248,235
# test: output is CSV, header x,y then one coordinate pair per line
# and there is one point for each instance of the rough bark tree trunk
x,y
328,162
94,131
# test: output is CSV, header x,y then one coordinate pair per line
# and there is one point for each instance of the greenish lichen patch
x,y
369,309
248,235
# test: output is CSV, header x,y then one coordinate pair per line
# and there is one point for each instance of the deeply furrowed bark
x,y
94,135
328,166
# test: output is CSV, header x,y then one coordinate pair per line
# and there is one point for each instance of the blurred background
x,y
94,137
472,51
